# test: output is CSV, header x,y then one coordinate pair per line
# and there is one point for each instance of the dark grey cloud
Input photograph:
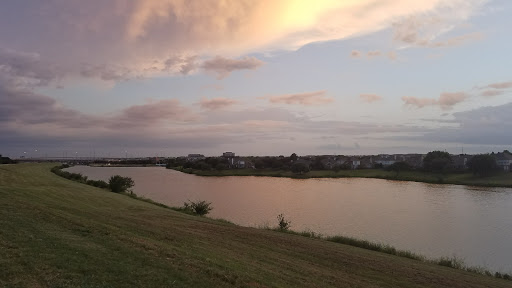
x,y
155,112
20,106
486,126
23,69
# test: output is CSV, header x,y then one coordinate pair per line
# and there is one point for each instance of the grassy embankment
x,y
501,179
59,233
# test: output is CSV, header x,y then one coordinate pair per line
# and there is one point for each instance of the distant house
x,y
228,154
460,162
332,162
366,162
385,160
243,163
354,162
414,160
307,163
504,161
195,157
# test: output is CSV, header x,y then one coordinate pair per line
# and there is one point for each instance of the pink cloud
x,y
370,98
153,113
216,103
306,99
355,54
224,66
500,85
446,100
491,93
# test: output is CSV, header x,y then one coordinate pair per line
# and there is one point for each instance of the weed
x,y
284,224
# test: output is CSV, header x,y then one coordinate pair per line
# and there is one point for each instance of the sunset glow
x,y
257,77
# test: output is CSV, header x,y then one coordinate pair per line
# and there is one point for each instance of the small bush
x,y
97,183
452,262
120,184
200,208
283,223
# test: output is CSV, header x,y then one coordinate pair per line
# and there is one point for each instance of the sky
x,y
133,78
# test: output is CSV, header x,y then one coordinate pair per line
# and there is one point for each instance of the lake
x,y
472,223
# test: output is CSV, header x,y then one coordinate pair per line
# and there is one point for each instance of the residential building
x,y
195,157
504,161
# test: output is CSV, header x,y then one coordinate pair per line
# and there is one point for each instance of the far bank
x,y
501,179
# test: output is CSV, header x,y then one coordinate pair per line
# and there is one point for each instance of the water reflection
x,y
435,220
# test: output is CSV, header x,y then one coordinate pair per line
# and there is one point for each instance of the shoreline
x,y
77,225
453,262
501,180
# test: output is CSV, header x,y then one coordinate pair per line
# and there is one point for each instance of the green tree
x,y
120,184
294,157
259,164
437,161
483,165
398,167
300,168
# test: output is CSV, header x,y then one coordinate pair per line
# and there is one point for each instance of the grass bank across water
x,y
59,233
499,180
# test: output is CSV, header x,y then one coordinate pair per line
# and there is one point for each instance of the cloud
x,y
391,55
23,69
446,100
107,73
135,34
491,93
370,98
265,124
500,85
425,30
419,102
216,103
355,53
495,89
484,126
224,66
306,99
154,112
182,64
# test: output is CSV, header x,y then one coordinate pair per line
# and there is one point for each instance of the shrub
x,y
97,183
452,262
200,208
120,184
300,168
283,223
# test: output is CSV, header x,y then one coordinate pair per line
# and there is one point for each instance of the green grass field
x,y
59,233
499,180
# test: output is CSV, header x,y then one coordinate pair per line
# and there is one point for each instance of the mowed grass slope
x,y
59,233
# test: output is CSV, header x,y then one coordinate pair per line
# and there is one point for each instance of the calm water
x,y
472,223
